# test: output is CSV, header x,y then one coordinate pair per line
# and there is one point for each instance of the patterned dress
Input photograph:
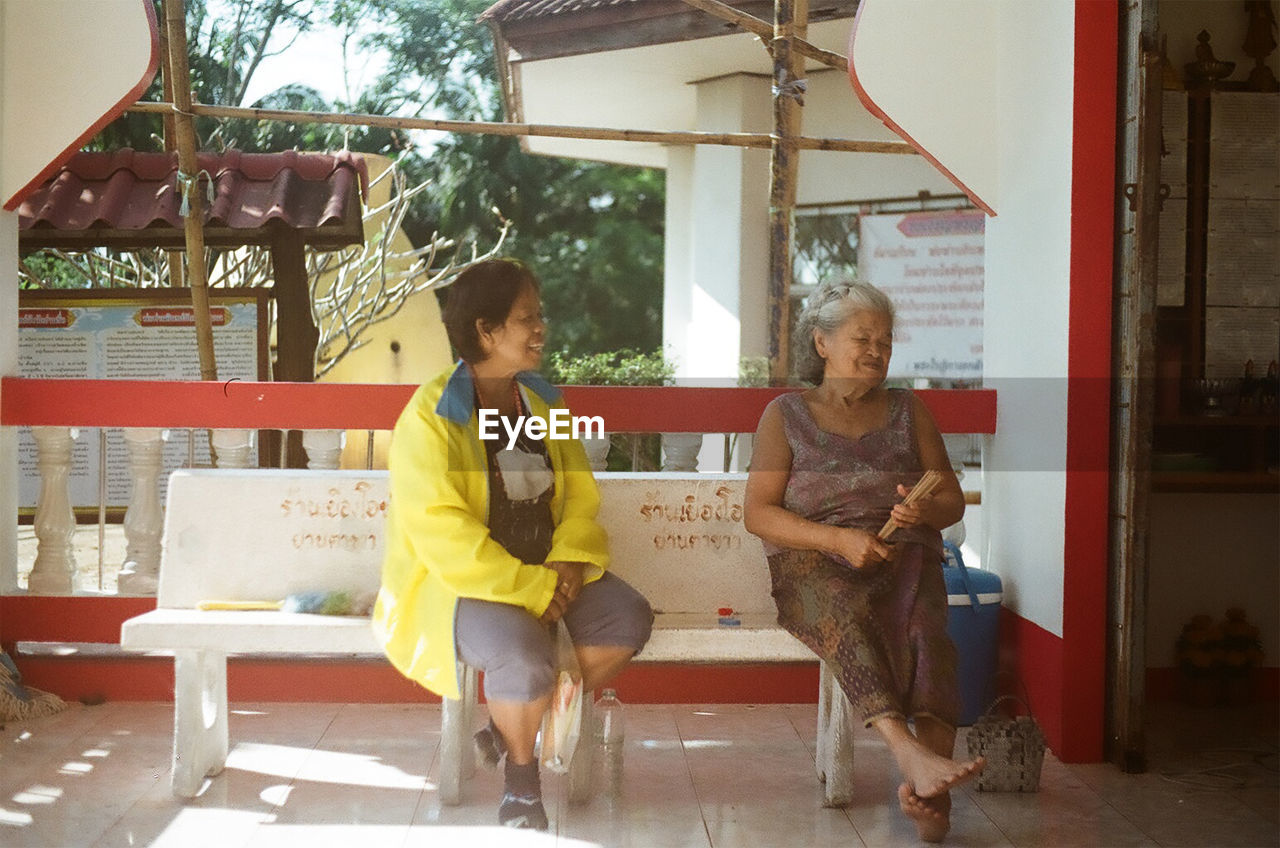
x,y
882,629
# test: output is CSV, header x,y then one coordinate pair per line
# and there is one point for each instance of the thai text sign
x,y
932,266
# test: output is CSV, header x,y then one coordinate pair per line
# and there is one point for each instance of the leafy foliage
x,y
592,232
623,368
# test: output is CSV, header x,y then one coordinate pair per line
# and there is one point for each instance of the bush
x,y
616,368
633,451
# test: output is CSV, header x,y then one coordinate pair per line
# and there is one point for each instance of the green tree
x,y
592,232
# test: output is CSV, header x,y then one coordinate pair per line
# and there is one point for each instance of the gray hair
x,y
826,310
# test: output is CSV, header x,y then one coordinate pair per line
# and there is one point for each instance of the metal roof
x,y
130,199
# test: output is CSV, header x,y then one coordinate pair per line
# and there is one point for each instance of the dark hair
x,y
485,291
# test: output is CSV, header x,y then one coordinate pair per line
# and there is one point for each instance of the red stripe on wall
x,y
50,618
98,680
1085,552
234,403
1034,656
98,619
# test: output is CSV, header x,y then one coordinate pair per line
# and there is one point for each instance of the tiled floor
x,y
361,776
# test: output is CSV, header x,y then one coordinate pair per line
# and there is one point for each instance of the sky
x,y
314,59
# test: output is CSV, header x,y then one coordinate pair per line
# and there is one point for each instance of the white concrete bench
x,y
264,534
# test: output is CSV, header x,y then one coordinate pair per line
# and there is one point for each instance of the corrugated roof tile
x,y
128,190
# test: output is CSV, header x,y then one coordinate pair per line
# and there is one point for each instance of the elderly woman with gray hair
x,y
831,465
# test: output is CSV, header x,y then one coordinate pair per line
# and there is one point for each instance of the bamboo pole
x,y
756,140
764,29
790,19
188,167
177,275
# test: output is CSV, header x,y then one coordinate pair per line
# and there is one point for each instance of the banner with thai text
x,y
932,266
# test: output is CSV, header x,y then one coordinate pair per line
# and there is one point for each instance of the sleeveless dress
x,y
882,630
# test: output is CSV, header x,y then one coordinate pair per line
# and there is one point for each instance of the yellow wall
x,y
417,331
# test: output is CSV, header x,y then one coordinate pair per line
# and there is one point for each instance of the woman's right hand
x,y
556,609
860,547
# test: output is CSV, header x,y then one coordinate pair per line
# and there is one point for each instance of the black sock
x,y
523,780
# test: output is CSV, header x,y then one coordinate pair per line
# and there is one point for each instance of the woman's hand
x,y
556,609
922,512
860,547
570,574
568,586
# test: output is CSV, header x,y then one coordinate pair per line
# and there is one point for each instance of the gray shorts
x,y
516,652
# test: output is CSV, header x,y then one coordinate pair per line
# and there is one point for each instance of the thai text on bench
x,y
358,504
690,511
561,425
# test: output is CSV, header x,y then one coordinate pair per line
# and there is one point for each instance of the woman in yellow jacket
x,y
491,537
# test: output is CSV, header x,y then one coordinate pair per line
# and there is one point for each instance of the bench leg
x,y
457,758
824,718
470,701
835,741
582,766
199,719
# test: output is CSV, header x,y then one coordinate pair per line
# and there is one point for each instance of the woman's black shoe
x,y
522,811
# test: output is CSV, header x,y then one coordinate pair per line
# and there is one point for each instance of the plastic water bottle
x,y
610,739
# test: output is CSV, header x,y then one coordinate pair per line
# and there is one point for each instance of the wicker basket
x,y
1013,748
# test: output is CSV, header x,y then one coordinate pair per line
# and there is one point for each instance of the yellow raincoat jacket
x,y
438,546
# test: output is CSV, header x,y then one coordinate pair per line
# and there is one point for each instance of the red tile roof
x,y
131,198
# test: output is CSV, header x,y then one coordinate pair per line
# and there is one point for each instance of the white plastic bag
x,y
561,724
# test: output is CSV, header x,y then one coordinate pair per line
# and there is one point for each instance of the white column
x,y
144,520
717,269
232,447
323,447
597,451
680,451
8,368
55,524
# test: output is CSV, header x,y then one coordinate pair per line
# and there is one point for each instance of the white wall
x,y
8,365
950,65
67,62
832,110
717,236
1026,312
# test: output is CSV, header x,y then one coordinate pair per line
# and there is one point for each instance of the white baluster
x,y
144,520
323,447
680,451
597,450
232,447
55,524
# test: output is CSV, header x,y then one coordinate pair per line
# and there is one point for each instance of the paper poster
x,y
1234,335
136,335
1244,145
1173,143
932,264
1242,265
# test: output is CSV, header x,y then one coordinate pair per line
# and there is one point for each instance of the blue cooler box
x,y
973,623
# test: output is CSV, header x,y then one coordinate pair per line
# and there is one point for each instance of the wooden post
x,y
296,333
177,277
790,20
189,170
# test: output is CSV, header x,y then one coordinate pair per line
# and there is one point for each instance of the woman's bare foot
x,y
932,817
930,775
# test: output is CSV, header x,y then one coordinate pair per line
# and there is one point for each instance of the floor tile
x,y
715,776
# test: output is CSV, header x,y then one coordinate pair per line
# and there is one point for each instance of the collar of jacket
x,y
458,401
